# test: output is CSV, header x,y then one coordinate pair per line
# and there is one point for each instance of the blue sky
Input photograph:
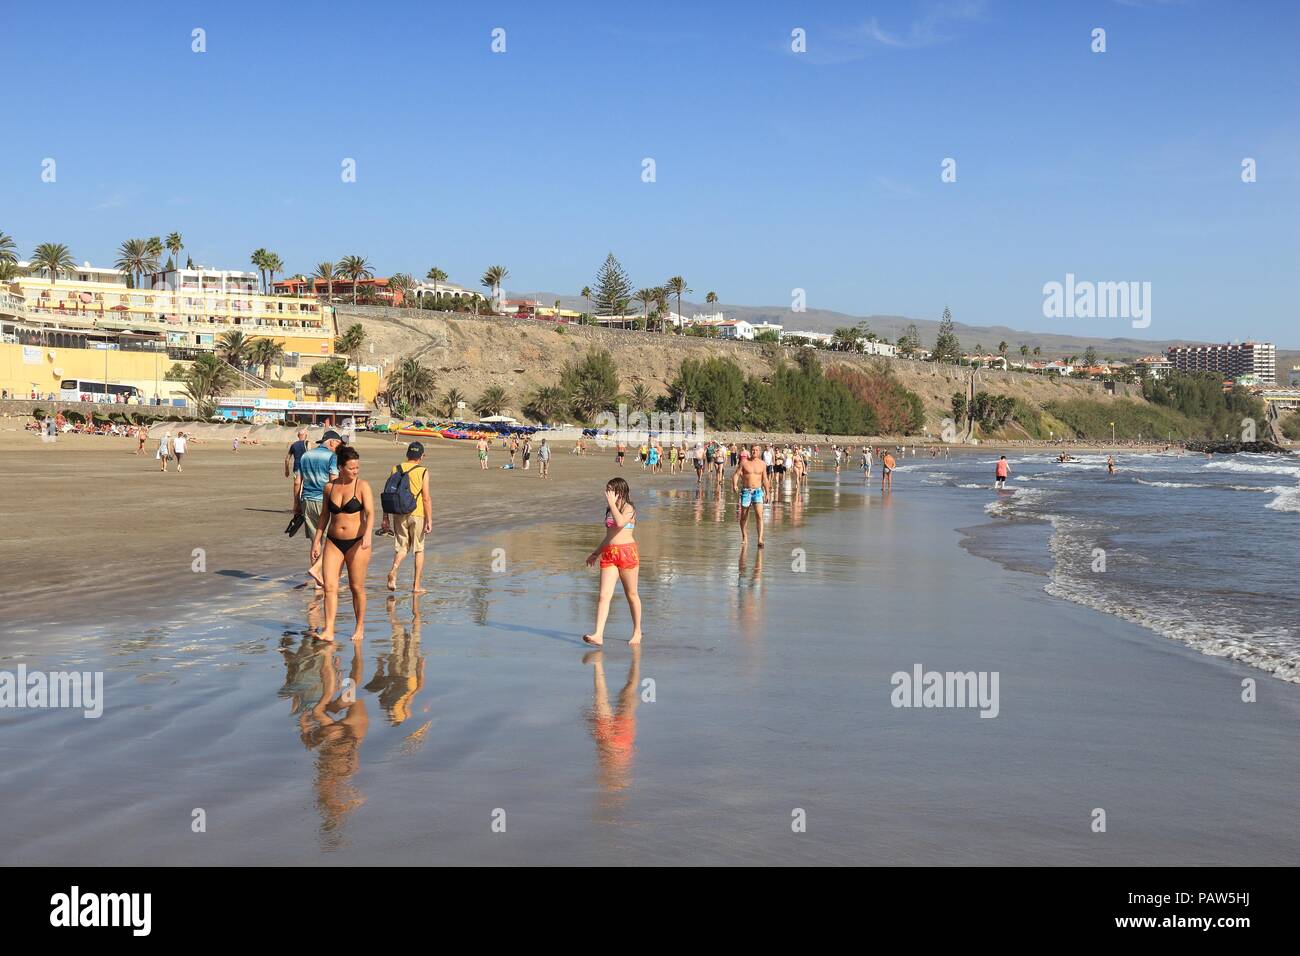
x,y
775,170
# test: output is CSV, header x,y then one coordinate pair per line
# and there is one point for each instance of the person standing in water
x,y
887,472
343,539
1110,464
544,460
753,473
618,559
1000,472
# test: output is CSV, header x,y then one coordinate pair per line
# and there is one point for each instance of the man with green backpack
x,y
408,512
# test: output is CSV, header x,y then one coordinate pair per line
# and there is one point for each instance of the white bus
x,y
86,390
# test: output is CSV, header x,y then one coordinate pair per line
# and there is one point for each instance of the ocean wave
x,y
1250,468
1270,649
1006,506
1288,499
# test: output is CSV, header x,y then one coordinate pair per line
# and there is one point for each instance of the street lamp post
x,y
1112,434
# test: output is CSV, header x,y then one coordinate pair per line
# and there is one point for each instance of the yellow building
x,y
189,308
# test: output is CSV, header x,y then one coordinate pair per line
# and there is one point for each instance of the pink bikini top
x,y
609,522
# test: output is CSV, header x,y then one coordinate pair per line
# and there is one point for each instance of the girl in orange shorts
x,y
618,560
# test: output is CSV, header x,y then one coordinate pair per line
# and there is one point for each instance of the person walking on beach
x,y
408,513
314,469
292,456
620,453
178,449
343,539
887,472
1000,472
142,436
697,457
164,450
528,451
618,559
544,459
482,454
514,450
750,479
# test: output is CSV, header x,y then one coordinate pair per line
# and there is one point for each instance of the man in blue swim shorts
x,y
750,479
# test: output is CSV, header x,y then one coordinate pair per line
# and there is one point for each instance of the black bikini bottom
x,y
343,544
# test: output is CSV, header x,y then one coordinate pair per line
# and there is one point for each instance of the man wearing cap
x,y
313,470
409,529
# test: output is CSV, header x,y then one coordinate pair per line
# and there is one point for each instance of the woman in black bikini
x,y
343,538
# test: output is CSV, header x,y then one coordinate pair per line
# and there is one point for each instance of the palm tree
x,y
266,352
492,401
546,404
492,279
645,297
274,264
175,244
711,298
355,268
677,286
52,258
258,258
639,397
350,342
451,402
205,380
155,246
325,272
586,294
401,282
411,384
436,275
592,395
8,270
334,379
235,347
1038,350
661,303
134,257
8,251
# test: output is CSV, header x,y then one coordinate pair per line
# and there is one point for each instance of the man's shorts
x,y
311,515
699,465
408,534
621,556
751,496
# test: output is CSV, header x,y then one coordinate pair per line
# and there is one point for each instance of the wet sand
x,y
770,694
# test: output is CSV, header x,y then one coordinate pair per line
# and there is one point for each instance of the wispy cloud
x,y
933,25
115,201
929,23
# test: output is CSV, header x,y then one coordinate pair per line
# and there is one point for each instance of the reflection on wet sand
x,y
399,674
332,721
614,729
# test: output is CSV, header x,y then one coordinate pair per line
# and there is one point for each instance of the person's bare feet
x,y
591,639
359,634
416,589
315,576
636,637
592,657
326,636
392,580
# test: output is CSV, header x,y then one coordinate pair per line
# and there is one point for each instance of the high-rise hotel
x,y
1247,358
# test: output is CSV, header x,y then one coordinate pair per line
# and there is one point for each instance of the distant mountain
x,y
1053,344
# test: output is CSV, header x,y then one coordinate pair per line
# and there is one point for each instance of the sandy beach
x,y
770,685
